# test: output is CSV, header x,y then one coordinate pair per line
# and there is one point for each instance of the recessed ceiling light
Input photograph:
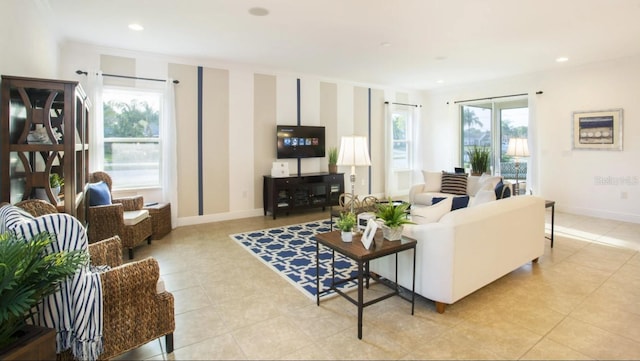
x,y
440,81
258,11
562,59
136,27
385,44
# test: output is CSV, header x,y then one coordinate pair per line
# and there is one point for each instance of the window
x,y
401,138
132,137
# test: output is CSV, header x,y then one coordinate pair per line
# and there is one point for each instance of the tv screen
x,y
300,141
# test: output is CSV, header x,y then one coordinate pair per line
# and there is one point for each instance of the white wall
x,y
242,151
28,47
573,178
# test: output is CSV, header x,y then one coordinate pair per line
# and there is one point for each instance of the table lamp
x,y
353,152
517,148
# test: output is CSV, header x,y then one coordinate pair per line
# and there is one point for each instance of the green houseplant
x,y
333,160
345,223
55,183
393,218
55,180
479,159
27,275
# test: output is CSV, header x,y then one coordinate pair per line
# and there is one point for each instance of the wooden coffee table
x,y
356,251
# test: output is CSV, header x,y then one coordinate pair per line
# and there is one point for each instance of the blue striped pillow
x,y
453,183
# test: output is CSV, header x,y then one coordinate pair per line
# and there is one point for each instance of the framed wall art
x,y
601,130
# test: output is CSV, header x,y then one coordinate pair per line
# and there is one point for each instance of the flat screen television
x,y
295,141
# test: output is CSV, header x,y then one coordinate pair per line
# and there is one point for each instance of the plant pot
x,y
392,234
333,168
36,343
347,236
41,193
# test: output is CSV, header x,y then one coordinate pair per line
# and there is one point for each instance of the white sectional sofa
x,y
469,248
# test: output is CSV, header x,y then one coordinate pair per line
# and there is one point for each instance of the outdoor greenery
x,y
346,222
129,120
393,215
479,159
27,275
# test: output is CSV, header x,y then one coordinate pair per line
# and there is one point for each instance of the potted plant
x,y
333,160
29,274
345,223
479,159
393,218
55,183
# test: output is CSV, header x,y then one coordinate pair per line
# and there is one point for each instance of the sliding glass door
x,y
491,124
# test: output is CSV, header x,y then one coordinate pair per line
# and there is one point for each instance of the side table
x,y
356,251
552,205
160,219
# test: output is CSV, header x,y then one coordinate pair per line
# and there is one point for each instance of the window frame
x,y
159,95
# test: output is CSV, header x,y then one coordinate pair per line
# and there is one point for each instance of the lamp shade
x,y
353,151
518,147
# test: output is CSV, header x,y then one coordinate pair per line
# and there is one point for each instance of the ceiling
x,y
410,44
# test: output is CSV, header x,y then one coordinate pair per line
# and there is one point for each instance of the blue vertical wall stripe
x,y
298,100
299,120
369,134
200,185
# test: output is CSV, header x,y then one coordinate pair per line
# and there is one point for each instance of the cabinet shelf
x,y
57,113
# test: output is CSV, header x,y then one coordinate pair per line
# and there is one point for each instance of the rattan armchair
x,y
109,220
134,313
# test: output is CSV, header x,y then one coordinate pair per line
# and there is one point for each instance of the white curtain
x,y
398,182
169,151
96,121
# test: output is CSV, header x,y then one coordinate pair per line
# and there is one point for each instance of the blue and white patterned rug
x,y
291,252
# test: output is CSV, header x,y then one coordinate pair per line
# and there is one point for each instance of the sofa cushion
x,y
459,202
134,217
432,181
99,194
502,190
430,214
483,196
436,200
484,182
454,183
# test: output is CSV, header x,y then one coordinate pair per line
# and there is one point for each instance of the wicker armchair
x,y
134,313
109,220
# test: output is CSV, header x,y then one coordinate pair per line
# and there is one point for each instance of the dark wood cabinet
x,y
44,130
310,190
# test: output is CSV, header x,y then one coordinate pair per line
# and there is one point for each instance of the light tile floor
x,y
581,301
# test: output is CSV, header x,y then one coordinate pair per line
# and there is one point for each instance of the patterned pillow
x,y
454,183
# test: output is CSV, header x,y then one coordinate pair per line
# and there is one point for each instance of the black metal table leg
x,y
360,300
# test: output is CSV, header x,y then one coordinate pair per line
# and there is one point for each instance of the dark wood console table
x,y
308,190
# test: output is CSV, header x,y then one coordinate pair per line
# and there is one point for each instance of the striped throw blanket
x,y
75,310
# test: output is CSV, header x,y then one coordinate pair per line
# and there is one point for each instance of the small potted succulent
x,y
333,160
345,223
393,217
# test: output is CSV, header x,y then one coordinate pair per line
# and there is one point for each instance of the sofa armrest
x,y
134,313
106,252
415,189
133,203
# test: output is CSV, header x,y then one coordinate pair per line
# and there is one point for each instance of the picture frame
x,y
599,130
369,232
